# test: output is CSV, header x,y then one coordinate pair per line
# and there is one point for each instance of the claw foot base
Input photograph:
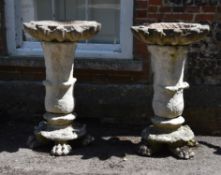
x,y
183,152
147,149
61,149
61,135
178,142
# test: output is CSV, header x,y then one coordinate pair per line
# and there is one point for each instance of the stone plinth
x,y
59,44
167,43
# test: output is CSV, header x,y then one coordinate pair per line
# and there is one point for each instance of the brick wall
x,y
204,62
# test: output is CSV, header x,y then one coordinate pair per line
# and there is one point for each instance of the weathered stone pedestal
x,y
59,43
167,43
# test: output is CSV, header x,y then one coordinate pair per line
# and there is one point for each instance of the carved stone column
x,y
59,43
167,43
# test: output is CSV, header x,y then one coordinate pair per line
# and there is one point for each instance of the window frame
x,y
123,50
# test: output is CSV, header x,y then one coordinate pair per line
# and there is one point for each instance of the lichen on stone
x,y
169,33
56,31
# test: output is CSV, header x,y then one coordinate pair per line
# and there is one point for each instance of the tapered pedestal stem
x,y
167,43
59,42
168,64
59,100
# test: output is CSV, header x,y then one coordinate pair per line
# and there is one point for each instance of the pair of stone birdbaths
x,y
167,43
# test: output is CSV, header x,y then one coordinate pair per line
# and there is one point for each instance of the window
x,y
114,40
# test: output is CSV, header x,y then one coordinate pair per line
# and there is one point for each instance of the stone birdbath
x,y
59,43
168,44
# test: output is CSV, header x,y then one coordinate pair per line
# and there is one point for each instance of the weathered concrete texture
x,y
59,44
165,43
170,33
57,31
23,100
113,152
182,134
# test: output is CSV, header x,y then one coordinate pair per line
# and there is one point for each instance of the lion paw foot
x,y
61,149
144,150
184,152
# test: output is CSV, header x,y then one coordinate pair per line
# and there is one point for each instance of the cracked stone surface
x,y
182,134
170,33
54,31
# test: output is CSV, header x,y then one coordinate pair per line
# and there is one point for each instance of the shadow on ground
x,y
110,140
215,147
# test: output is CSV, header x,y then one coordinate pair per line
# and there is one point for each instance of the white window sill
x,y
82,50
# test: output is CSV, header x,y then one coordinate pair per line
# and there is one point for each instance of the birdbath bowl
x,y
168,44
59,42
171,34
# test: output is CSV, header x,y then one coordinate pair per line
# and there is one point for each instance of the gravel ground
x,y
113,152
